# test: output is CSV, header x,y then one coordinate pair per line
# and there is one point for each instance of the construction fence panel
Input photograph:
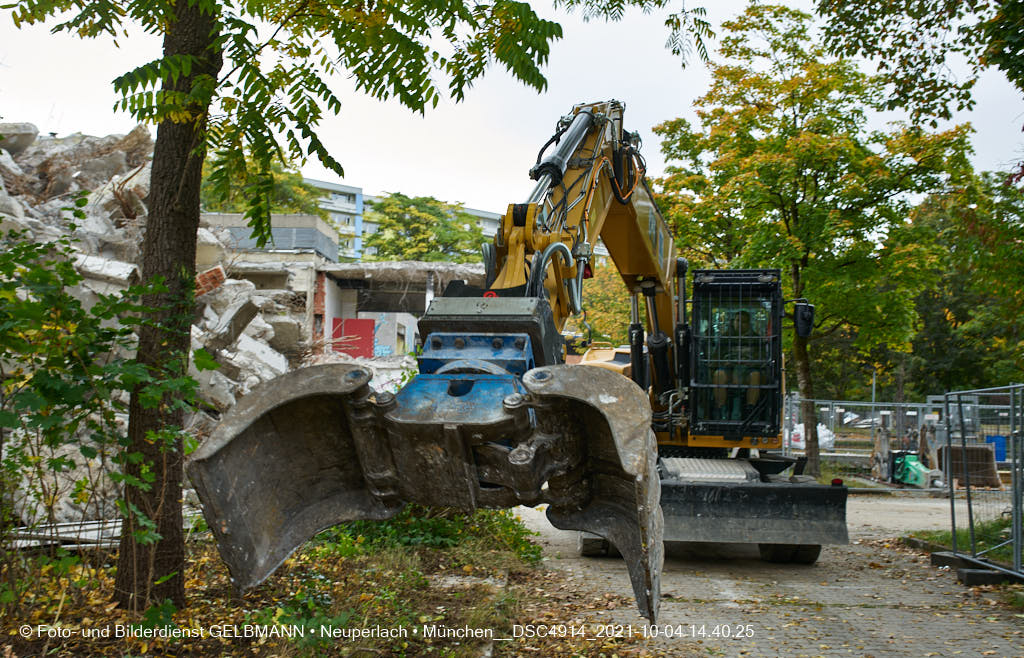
x,y
982,458
867,428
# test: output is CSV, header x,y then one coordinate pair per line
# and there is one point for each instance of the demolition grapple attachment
x,y
317,447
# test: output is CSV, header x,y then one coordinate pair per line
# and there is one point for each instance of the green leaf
x,y
160,615
8,419
203,360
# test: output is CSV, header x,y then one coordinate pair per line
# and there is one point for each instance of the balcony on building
x,y
303,237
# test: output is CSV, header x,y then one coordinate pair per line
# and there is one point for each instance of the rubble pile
x,y
254,318
254,334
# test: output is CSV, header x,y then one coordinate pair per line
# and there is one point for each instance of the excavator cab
x,y
735,395
736,351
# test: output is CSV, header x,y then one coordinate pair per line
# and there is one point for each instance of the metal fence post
x,y
948,470
1015,477
967,473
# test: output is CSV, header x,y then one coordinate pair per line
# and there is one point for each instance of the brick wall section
x,y
318,294
210,280
319,332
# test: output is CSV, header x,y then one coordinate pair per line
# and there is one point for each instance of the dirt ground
x,y
872,597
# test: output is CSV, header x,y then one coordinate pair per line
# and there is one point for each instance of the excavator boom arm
x,y
591,186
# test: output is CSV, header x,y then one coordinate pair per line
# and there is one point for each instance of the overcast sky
x,y
477,152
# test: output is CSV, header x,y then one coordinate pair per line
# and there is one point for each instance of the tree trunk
x,y
149,572
901,379
807,411
803,379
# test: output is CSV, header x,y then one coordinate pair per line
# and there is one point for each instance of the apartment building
x,y
346,205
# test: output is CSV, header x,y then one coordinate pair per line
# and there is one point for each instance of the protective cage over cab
x,y
736,353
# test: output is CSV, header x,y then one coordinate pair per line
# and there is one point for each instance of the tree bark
x,y
901,379
151,572
807,411
804,382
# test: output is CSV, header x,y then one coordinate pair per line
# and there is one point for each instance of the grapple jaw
x,y
617,494
316,447
281,467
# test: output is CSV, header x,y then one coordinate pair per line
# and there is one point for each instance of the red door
x,y
353,336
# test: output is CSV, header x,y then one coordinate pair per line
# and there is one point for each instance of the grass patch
x,y
1013,595
444,528
987,534
846,472
421,568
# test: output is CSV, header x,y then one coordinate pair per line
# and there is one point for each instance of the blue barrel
x,y
1000,443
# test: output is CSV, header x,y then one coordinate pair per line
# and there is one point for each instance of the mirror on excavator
x,y
803,318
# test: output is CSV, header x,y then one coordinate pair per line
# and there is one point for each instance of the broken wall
x,y
254,332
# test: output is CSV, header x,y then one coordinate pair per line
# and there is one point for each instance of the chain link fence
x,y
863,428
981,455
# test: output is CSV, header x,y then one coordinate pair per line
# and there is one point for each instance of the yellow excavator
x,y
671,438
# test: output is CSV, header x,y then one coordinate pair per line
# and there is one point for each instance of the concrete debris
x,y
70,502
96,225
71,536
226,294
8,167
205,317
197,337
209,249
389,373
16,137
40,179
65,165
287,336
201,424
91,173
124,195
401,271
229,368
216,389
106,269
9,207
259,329
13,180
284,302
232,323
256,358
